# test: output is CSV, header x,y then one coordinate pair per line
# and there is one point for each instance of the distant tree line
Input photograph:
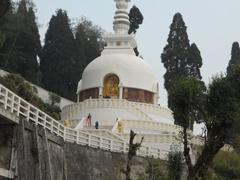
x,y
58,63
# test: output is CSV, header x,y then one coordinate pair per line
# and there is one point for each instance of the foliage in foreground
x,y
226,165
22,88
175,163
157,170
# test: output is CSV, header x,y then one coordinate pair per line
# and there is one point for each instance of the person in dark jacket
x,y
96,125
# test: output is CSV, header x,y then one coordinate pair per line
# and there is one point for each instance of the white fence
x,y
137,109
15,104
149,126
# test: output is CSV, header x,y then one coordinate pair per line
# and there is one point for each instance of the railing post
x,y
64,134
36,122
124,148
147,151
111,145
6,98
51,125
58,129
89,140
159,153
12,104
18,106
28,111
77,136
100,143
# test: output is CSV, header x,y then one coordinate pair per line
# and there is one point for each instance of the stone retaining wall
x,y
33,153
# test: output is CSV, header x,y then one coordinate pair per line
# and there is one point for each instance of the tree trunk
x,y
199,170
211,148
186,149
131,153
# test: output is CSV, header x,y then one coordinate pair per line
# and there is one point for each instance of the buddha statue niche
x,y
111,89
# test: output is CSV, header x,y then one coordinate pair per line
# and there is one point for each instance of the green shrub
x,y
227,165
54,99
157,170
18,85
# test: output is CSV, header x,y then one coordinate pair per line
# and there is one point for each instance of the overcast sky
x,y
212,24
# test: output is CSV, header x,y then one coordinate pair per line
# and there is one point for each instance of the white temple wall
x,y
44,95
160,118
163,146
105,116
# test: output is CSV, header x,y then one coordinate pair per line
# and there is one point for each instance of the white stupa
x,y
121,92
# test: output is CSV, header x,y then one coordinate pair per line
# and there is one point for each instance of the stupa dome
x,y
118,73
120,92
132,71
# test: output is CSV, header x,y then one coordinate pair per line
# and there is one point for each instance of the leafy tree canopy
x,y
187,96
175,163
89,40
226,164
135,18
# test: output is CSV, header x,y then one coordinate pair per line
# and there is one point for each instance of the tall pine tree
x,y
59,57
5,21
235,57
22,44
175,53
179,58
194,62
4,5
232,69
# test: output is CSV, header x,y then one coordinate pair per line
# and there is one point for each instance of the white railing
x,y
104,133
148,126
81,124
15,104
153,108
70,111
138,109
157,139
